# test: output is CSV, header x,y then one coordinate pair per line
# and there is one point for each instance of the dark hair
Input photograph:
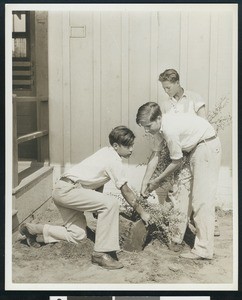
x,y
169,75
150,111
121,135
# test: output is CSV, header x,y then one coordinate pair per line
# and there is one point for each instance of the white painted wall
x,y
99,79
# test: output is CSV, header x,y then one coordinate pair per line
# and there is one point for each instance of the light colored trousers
x,y
181,197
198,194
72,200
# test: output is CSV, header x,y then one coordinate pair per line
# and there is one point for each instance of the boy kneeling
x,y
76,192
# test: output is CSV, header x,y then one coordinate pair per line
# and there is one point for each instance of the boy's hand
x,y
145,194
144,191
152,185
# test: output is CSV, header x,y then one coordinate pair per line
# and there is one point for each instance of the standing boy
x,y
182,101
76,192
194,135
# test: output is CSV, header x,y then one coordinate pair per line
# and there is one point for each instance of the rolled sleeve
x,y
117,174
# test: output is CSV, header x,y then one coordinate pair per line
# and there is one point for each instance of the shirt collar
x,y
183,95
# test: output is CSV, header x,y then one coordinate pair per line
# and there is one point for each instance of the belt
x,y
207,140
68,180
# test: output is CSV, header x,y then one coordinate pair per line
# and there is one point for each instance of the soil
x,y
69,263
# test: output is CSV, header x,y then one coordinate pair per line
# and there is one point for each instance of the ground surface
x,y
69,263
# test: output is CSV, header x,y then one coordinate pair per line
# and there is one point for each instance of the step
x,y
32,192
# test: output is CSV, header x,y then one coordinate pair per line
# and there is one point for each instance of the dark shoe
x,y
190,255
175,247
30,238
106,261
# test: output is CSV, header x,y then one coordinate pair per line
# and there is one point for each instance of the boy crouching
x,y
78,190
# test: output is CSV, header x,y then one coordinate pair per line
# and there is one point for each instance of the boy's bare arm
x,y
131,198
172,167
150,169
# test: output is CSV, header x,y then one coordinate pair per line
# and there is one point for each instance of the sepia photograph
x,y
121,147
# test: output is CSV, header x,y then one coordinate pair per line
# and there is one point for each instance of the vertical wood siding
x,y
98,81
111,70
81,88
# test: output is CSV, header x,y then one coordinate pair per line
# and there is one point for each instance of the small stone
x,y
174,268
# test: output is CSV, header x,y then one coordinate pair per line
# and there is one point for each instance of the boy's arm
x,y
173,166
202,113
150,169
130,197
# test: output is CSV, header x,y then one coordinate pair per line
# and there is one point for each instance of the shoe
x,y
175,247
190,255
216,231
106,261
30,238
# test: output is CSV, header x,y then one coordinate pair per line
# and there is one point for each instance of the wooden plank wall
x,y
99,79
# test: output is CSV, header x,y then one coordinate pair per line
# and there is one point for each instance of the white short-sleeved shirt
x,y
183,132
190,102
98,169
